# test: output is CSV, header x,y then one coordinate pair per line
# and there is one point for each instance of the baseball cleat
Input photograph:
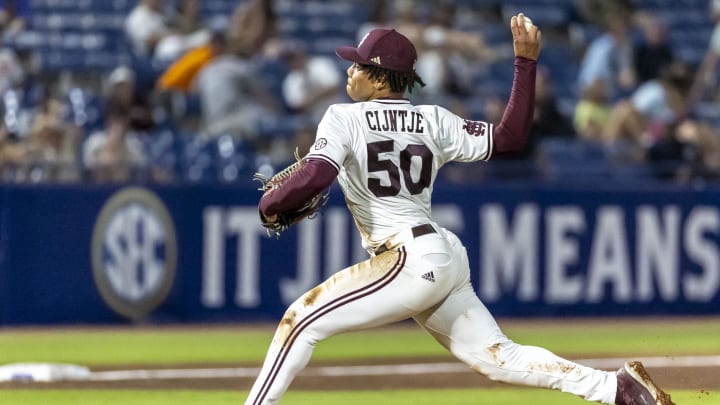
x,y
635,387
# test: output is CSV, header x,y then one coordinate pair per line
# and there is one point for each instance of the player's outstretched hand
x,y
525,43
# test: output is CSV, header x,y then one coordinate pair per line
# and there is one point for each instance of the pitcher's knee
x,y
286,328
292,328
499,352
493,360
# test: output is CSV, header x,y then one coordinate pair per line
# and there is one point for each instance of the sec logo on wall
x,y
134,252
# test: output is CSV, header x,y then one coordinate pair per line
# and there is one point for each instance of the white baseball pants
x,y
426,278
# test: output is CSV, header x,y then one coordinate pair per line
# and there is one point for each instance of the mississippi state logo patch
x,y
475,128
320,143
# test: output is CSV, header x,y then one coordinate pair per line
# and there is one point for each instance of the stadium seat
x,y
85,108
571,158
542,15
218,7
196,160
220,159
123,6
88,36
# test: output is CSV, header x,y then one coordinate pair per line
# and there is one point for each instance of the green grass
x,y
399,397
642,338
132,346
233,345
567,339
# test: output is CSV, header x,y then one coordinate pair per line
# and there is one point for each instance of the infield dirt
x,y
703,379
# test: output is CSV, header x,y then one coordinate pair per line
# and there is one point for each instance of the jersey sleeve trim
x,y
491,141
325,158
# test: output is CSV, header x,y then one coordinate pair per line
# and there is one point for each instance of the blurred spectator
x,y
449,58
53,146
191,33
11,70
689,150
13,15
608,61
253,27
13,154
312,83
45,152
596,12
111,154
378,17
187,19
653,52
121,95
592,112
232,99
706,80
547,118
148,27
176,86
17,107
180,75
655,104
402,15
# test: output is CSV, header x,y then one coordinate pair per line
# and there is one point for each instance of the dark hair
x,y
399,81
677,74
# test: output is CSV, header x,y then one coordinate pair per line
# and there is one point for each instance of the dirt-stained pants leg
x,y
466,328
385,289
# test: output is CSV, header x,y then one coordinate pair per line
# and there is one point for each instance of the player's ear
x,y
380,83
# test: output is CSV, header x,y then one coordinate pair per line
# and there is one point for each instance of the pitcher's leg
x,y
465,327
372,293
320,313
280,368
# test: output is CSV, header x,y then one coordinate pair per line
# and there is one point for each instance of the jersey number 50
x,y
375,164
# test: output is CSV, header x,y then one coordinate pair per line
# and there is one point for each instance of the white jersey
x,y
388,152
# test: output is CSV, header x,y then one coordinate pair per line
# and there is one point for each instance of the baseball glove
x,y
286,219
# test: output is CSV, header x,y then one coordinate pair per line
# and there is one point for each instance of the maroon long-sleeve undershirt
x,y
511,133
315,176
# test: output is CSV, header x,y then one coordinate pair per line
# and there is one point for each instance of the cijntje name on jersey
x,y
395,121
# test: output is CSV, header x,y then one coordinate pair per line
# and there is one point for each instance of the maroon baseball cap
x,y
385,48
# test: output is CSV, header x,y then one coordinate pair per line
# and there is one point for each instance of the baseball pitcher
x,y
385,153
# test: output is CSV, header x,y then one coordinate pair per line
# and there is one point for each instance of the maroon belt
x,y
417,231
